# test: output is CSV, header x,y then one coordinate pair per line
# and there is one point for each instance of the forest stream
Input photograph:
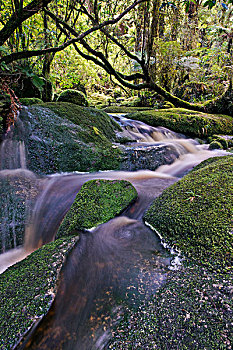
x,y
121,262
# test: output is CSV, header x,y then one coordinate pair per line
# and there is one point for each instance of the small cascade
x,y
119,260
180,154
12,151
143,133
18,188
12,155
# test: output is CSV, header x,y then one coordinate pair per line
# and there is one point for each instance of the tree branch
x,y
113,39
27,54
19,16
105,64
96,26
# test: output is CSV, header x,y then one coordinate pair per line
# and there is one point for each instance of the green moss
x,y
97,202
73,96
217,138
27,290
86,117
208,161
168,104
124,109
98,99
215,145
30,101
132,102
196,213
186,121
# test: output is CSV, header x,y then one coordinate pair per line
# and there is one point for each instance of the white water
x,y
12,256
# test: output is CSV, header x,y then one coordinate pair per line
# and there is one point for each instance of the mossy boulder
x,y
28,288
215,145
73,96
220,139
192,310
188,122
61,137
196,213
29,101
97,202
124,109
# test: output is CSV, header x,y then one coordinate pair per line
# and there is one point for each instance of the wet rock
x,y
27,290
148,157
73,96
195,214
61,136
18,189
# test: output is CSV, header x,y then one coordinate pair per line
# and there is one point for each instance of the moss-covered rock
x,y
28,288
61,136
192,310
30,101
215,145
196,213
188,122
220,139
73,96
124,109
97,202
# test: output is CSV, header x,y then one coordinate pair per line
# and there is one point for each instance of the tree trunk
x,y
191,33
220,105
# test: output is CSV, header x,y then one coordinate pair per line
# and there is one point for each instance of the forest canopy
x,y
180,50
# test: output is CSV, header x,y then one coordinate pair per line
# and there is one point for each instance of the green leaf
x,y
38,82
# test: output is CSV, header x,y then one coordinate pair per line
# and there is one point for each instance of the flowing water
x,y
119,262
